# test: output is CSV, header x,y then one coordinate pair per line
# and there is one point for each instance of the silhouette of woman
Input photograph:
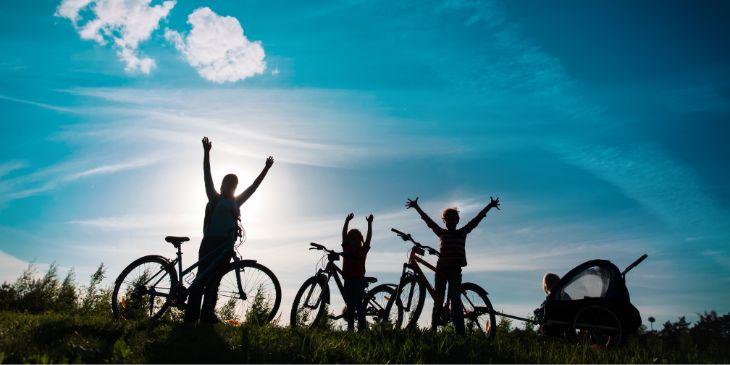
x,y
220,227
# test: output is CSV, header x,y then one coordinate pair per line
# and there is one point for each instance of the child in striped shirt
x,y
452,258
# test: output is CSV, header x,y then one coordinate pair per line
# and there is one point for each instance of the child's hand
x,y
207,144
349,217
412,203
369,218
493,203
269,162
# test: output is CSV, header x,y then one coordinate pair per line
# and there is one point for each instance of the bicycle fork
x,y
320,297
238,270
405,275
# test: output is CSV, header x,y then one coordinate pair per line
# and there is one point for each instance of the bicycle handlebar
x,y
317,246
408,237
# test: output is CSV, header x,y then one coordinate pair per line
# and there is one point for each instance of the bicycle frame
x,y
330,270
222,252
414,264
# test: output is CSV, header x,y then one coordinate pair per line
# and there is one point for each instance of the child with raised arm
x,y
354,253
452,258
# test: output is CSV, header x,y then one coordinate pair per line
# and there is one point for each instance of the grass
x,y
54,338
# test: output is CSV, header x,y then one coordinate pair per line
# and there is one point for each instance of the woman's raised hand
x,y
207,144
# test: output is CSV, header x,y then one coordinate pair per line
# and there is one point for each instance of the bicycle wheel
x,y
309,303
411,297
478,311
376,306
248,292
144,289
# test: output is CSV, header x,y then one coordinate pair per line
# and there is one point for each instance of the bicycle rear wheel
x,y
478,311
309,303
376,306
144,289
248,292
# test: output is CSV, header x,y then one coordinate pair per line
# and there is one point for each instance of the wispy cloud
x,y
136,222
38,104
664,187
126,24
10,166
217,47
111,168
49,178
297,126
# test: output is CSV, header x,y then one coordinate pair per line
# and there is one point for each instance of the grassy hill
x,y
53,337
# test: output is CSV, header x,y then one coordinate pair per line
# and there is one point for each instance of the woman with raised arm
x,y
220,229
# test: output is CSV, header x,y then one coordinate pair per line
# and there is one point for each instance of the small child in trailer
x,y
549,282
354,253
452,257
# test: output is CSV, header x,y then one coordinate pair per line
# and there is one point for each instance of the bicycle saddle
x,y
370,279
176,241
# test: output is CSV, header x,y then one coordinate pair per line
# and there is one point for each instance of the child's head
x,y
450,217
549,281
354,237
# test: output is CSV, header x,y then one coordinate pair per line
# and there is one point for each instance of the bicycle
x,y
411,296
150,285
313,297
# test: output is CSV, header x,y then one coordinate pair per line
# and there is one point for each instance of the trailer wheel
x,y
597,326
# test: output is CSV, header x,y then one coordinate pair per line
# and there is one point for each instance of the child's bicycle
x,y
313,298
150,285
478,312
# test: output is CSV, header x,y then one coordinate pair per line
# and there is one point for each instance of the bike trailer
x,y
591,302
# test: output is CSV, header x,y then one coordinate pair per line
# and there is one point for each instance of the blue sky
x,y
602,127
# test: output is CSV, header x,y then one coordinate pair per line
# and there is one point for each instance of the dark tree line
x,y
33,293
710,329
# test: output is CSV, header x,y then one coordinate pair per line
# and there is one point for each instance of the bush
x,y
34,294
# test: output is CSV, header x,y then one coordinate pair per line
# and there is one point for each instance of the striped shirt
x,y
453,242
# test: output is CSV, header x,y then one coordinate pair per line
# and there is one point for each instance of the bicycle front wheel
x,y
309,303
478,311
248,292
410,299
376,306
144,289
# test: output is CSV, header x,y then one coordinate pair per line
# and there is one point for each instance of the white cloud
x,y
217,47
125,23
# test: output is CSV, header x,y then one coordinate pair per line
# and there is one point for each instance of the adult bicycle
x,y
152,284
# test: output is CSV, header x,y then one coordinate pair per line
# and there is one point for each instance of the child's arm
x,y
370,230
209,188
345,227
429,222
255,185
493,203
